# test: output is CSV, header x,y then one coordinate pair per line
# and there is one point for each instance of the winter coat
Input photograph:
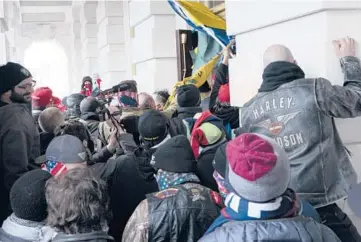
x,y
186,112
299,228
19,147
181,213
229,114
205,168
299,116
131,181
19,230
88,237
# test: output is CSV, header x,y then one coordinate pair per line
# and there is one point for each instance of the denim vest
x,y
321,171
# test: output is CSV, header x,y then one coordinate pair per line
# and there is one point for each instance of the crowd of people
x,y
124,166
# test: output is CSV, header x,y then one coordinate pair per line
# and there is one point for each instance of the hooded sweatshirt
x,y
131,181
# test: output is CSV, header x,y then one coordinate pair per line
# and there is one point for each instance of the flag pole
x,y
210,33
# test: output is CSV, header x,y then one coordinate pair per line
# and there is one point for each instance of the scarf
x,y
222,185
28,230
166,179
279,73
240,209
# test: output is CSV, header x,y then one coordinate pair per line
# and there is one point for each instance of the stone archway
x,y
48,63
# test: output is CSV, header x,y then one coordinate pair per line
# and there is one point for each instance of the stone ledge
x,y
282,11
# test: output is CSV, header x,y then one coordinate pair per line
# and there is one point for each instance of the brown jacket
x,y
137,226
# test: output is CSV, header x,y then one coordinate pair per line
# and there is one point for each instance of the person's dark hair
x,y
77,129
162,96
73,104
132,85
78,202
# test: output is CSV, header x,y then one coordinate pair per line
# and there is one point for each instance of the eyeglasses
x,y
116,113
28,85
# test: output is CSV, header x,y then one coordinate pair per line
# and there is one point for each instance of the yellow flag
x,y
199,14
197,79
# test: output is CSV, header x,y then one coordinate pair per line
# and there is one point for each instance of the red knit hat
x,y
224,94
258,168
41,97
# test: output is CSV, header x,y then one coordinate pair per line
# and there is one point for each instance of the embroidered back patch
x,y
166,193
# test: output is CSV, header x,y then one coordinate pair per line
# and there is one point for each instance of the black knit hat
x,y
153,127
188,96
89,105
220,160
27,196
175,155
11,75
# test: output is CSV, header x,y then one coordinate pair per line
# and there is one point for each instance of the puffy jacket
x,y
299,115
15,229
89,237
182,213
300,229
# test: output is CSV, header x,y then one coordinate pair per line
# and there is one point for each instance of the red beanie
x,y
41,97
223,94
259,168
57,103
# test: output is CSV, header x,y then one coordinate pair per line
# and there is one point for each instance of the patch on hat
x,y
166,193
152,161
151,138
25,72
82,155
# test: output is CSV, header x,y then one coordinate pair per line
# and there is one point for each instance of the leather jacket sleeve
x,y
137,227
341,101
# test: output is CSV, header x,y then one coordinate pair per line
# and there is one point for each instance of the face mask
x,y
87,86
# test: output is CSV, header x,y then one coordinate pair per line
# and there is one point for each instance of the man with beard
x,y
19,137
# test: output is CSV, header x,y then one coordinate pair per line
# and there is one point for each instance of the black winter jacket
x,y
205,167
132,180
224,111
19,147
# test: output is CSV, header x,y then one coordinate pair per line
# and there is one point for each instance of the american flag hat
x,y
54,168
66,149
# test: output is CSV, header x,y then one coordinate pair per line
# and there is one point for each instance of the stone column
x,y
88,38
3,51
112,58
76,57
153,44
12,16
307,28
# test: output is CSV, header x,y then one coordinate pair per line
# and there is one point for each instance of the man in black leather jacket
x,y
165,215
